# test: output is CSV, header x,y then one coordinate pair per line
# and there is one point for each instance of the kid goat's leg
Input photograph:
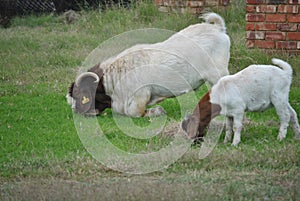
x,y
229,123
294,122
284,114
237,128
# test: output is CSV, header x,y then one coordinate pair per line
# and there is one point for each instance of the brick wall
x,y
273,25
192,6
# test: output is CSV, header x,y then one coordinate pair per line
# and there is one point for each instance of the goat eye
x,y
85,100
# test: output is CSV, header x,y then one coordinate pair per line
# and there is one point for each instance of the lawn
x,y
42,156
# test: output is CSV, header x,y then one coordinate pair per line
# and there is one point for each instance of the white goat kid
x,y
256,88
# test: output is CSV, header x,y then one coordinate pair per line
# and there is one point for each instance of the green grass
x,y
42,157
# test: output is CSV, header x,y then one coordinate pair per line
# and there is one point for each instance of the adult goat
x,y
148,73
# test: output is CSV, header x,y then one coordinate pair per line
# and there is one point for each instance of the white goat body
x,y
148,73
256,88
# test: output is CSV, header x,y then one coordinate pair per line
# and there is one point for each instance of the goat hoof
x,y
235,144
197,141
155,112
225,141
280,138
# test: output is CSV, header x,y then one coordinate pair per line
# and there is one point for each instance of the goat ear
x,y
192,127
185,121
86,85
97,70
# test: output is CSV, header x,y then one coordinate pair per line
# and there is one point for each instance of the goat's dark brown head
x,y
87,94
196,124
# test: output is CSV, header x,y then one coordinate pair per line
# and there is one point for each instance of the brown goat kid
x,y
196,124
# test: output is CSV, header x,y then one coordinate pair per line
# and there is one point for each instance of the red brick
x,y
195,10
250,27
266,9
254,1
211,2
250,43
293,36
294,18
275,17
275,36
158,2
276,2
255,17
166,3
264,44
194,4
250,35
287,9
265,27
250,9
224,2
286,45
178,3
259,35
287,27
294,1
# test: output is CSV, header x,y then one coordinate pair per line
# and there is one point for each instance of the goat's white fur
x,y
148,73
256,88
71,101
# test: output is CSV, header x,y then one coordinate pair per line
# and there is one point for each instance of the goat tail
x,y
284,65
216,19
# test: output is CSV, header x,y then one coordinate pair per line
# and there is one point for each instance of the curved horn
x,y
86,74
